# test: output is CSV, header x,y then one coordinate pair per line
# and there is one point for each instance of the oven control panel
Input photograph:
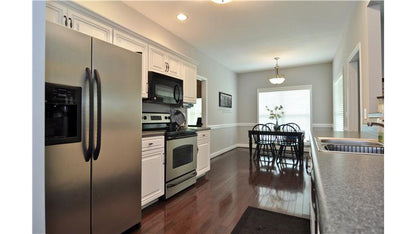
x,y
155,118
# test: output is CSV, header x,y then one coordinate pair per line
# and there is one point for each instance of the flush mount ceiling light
x,y
182,17
277,79
221,1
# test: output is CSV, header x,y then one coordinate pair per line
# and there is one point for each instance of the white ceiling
x,y
247,35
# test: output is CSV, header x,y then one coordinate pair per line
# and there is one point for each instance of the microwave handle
x,y
176,93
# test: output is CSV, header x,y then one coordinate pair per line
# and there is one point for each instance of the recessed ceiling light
x,y
182,17
221,1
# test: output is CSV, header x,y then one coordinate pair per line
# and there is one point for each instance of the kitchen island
x,y
349,187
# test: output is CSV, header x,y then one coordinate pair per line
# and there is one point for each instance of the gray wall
x,y
319,76
360,30
219,77
38,121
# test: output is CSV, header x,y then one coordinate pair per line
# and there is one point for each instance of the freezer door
x,y
116,180
67,174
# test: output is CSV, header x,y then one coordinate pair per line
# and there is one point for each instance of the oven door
x,y
180,157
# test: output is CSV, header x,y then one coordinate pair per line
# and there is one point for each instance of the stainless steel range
x,y
180,152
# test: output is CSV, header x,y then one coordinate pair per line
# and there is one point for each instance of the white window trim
x,y
297,87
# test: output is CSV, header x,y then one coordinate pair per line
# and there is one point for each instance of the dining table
x,y
300,136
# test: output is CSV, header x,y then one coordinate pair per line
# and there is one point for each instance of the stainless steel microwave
x,y
165,89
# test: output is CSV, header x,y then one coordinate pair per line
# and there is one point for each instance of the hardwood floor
x,y
217,201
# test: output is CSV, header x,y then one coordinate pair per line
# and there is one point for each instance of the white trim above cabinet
x,y
134,44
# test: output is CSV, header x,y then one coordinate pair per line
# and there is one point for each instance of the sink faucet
x,y
375,123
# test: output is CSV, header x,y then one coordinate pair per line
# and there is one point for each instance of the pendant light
x,y
277,79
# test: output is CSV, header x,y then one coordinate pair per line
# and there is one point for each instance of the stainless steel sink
x,y
349,145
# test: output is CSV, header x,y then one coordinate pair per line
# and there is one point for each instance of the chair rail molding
x,y
230,125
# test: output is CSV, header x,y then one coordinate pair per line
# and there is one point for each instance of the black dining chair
x,y
295,126
271,126
288,141
265,144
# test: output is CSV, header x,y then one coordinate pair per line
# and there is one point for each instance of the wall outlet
x,y
365,113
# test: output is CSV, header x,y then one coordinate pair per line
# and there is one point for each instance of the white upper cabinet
x,y
153,58
59,13
164,62
56,13
174,65
157,61
89,26
189,82
134,44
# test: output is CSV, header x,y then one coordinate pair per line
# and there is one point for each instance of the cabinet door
x,y
133,44
189,82
174,66
89,26
157,61
203,160
153,177
56,13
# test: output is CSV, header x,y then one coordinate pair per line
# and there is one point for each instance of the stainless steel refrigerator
x,y
92,134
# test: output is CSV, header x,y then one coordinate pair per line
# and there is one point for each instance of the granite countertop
x,y
350,188
153,133
200,128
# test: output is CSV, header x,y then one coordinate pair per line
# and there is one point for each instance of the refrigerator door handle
x,y
88,154
98,146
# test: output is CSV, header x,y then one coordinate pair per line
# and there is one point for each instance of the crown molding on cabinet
x,y
95,15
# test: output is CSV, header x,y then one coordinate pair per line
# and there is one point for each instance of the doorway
x,y
197,115
353,115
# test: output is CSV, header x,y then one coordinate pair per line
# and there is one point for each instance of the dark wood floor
x,y
217,201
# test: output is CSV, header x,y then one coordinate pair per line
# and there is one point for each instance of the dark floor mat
x,y
256,220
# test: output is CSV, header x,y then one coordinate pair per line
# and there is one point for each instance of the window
x,y
194,112
338,100
296,102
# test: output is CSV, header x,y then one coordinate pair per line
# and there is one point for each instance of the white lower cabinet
x,y
153,169
203,157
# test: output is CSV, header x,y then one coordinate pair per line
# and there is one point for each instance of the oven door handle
x,y
182,180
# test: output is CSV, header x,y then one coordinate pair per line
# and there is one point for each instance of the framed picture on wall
x,y
226,100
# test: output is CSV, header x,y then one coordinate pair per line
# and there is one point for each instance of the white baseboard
x,y
219,152
242,145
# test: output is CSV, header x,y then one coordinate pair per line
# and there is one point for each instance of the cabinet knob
x,y
151,143
66,21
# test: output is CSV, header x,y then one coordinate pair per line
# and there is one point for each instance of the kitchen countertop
x,y
350,188
200,128
153,133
